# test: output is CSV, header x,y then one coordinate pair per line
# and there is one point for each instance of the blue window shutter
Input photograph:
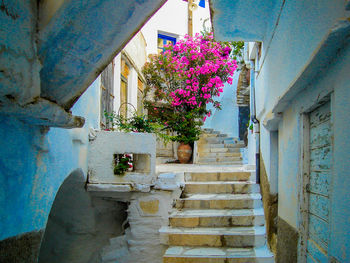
x,y
165,37
202,3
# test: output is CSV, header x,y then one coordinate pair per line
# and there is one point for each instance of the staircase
x,y
219,219
216,148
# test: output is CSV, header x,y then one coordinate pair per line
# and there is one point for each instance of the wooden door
x,y
318,187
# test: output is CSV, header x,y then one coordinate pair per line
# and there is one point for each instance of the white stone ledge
x,y
41,112
108,187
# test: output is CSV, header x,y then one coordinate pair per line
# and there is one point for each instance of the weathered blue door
x,y
319,184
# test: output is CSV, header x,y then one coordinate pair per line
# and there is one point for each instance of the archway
x,y
79,225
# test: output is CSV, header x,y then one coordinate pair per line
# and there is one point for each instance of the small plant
x,y
122,163
136,123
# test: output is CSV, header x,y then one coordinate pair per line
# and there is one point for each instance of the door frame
x,y
304,174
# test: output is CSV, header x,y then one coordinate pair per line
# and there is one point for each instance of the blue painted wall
x,y
226,120
34,163
293,34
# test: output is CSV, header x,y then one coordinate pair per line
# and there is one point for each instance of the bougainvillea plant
x,y
183,79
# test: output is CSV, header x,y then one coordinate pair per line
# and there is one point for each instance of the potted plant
x,y
182,80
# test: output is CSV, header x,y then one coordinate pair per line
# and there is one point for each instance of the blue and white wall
x,y
304,58
225,120
34,163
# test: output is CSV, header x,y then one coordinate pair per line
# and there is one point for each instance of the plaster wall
x,y
80,225
48,9
147,212
171,19
19,64
136,49
334,81
225,120
35,161
301,27
286,51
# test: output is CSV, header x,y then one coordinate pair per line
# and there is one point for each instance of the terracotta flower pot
x,y
184,153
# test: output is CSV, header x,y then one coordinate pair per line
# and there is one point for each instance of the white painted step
x,y
182,254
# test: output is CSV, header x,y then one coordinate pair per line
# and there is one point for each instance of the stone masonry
x,y
218,219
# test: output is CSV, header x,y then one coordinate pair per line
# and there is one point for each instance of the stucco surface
x,y
74,49
225,120
19,64
35,161
108,143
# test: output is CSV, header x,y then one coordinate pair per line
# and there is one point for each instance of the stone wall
x,y
287,242
23,248
270,202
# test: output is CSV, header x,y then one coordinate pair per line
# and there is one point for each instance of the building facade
x,y
299,59
52,98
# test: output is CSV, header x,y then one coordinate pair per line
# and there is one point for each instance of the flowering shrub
x,y
183,79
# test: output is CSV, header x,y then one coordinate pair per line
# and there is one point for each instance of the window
x,y
164,40
124,88
140,87
107,95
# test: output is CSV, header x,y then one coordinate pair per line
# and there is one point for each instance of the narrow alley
x,y
174,131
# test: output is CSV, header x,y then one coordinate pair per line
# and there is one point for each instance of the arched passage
x,y
79,226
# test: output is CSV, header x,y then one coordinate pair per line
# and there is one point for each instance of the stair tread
x,y
221,182
220,252
217,212
255,196
251,230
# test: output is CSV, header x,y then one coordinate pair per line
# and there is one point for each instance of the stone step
x,y
225,187
220,176
221,163
204,145
220,201
214,236
234,145
204,136
218,155
211,140
218,150
223,135
217,218
208,135
226,159
186,254
206,131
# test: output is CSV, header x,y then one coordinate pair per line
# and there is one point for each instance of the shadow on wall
x,y
79,226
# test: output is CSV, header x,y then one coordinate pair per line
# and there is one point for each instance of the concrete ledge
x,y
108,188
41,112
108,143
